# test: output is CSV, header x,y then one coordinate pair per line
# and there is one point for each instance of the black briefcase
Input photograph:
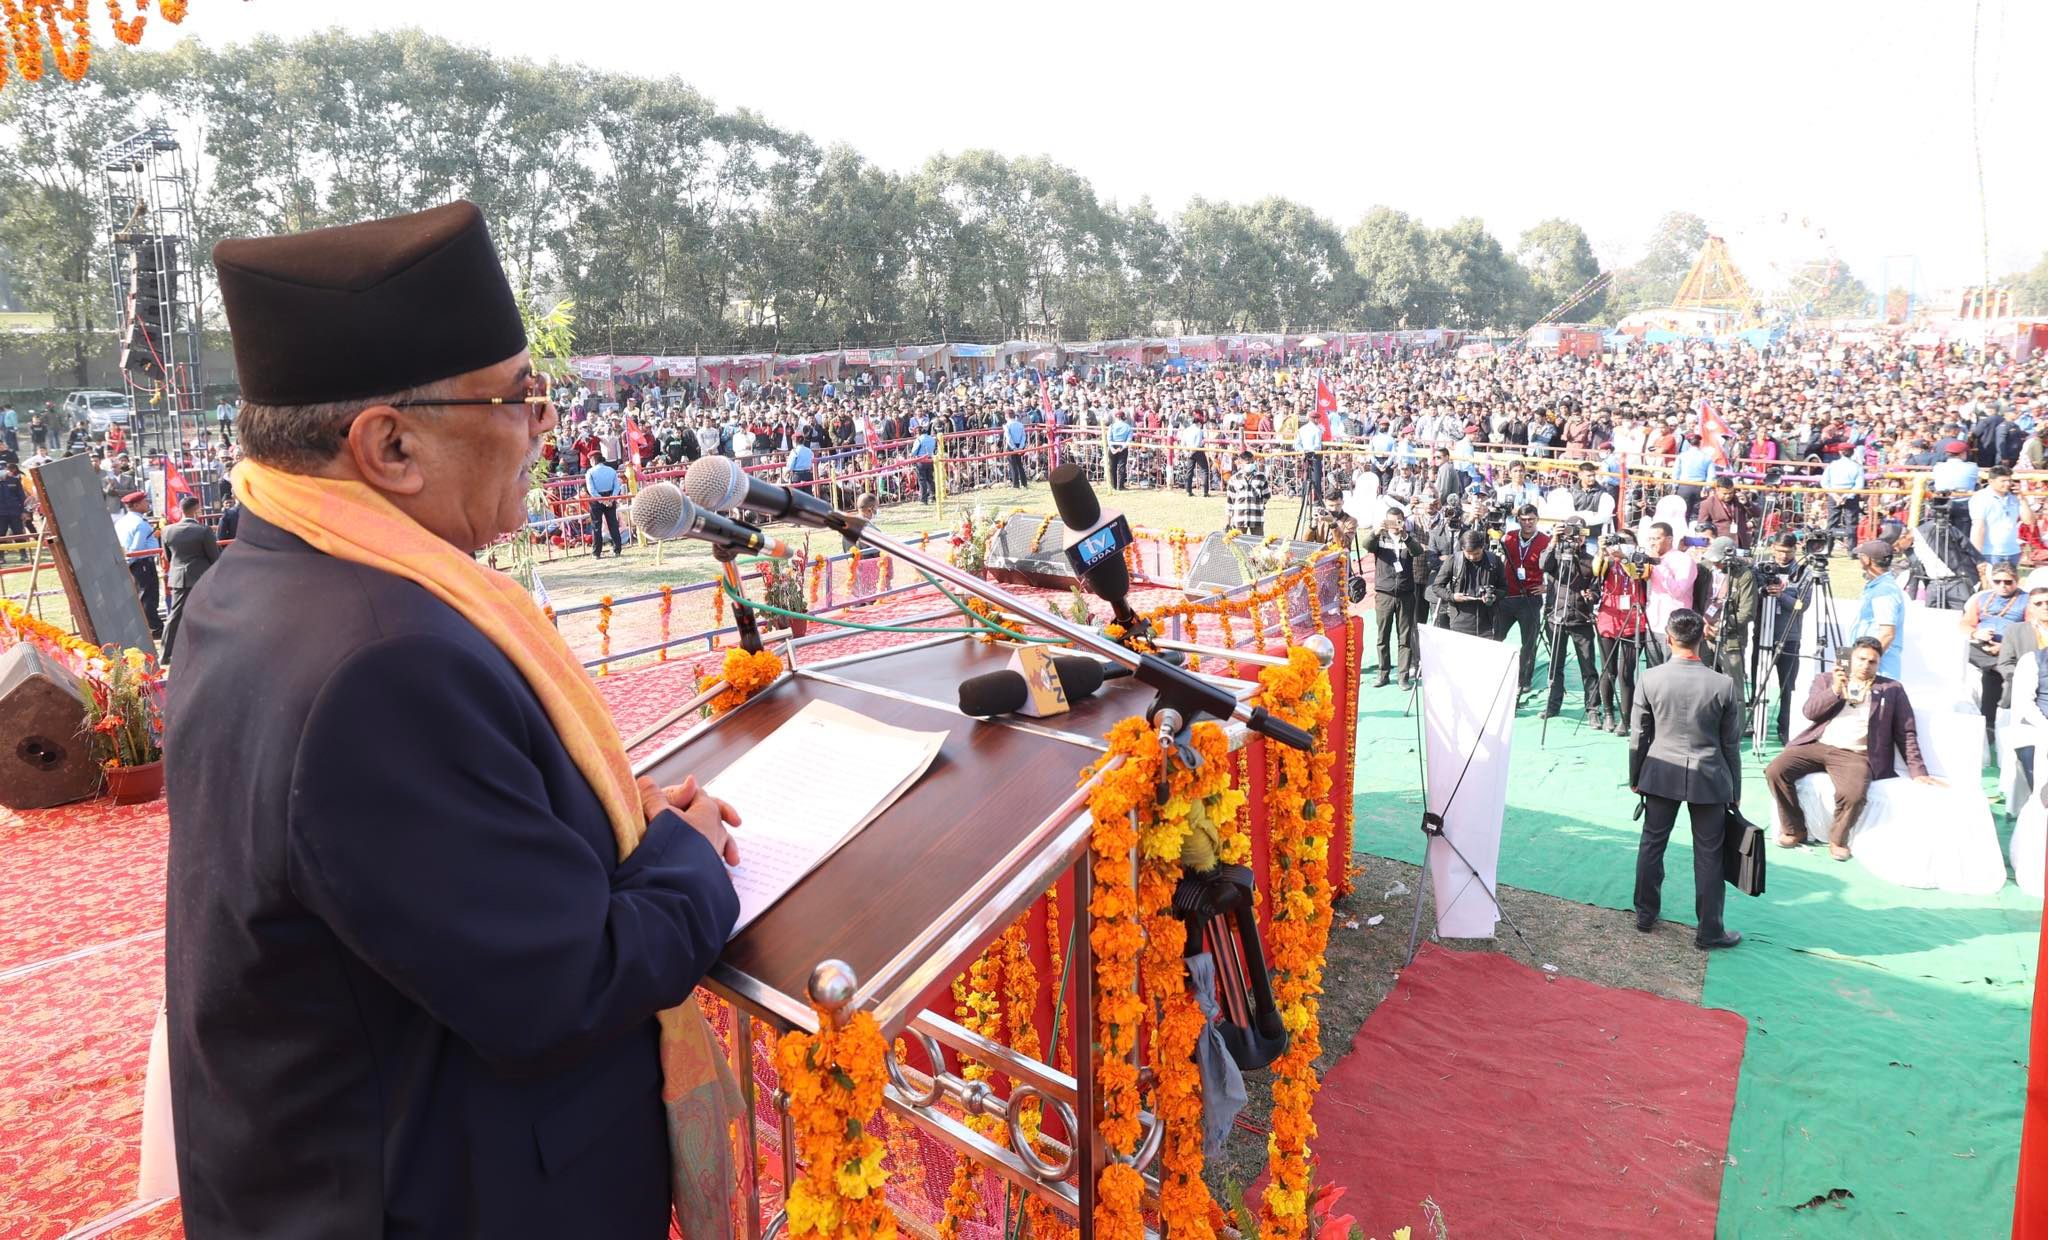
x,y
1742,854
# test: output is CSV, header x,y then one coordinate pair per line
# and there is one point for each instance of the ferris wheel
x,y
1788,258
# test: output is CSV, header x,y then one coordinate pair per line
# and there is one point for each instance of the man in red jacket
x,y
1521,560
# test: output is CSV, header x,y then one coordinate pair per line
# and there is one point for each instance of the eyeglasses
x,y
2004,581
533,392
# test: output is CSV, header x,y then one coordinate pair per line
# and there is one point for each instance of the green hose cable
x,y
743,601
986,624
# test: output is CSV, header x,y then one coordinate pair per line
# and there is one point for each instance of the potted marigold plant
x,y
783,587
126,723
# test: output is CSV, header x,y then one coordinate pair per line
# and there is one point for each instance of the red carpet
x,y
1530,1105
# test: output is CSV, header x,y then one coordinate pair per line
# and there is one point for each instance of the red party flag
x,y
1326,404
1713,432
175,487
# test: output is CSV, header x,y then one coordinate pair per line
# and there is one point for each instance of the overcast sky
x,y
1787,124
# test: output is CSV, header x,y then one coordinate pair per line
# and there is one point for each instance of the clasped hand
x,y
707,815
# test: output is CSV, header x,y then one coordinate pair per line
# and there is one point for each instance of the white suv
x,y
98,410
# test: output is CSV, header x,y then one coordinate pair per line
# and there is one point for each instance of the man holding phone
x,y
1858,718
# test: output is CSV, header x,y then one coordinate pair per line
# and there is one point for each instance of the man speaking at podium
x,y
422,920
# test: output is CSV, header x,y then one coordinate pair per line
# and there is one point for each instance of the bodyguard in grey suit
x,y
1688,719
193,548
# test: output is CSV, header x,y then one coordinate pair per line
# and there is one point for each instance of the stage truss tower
x,y
150,228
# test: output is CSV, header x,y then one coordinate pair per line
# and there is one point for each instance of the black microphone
x,y
662,512
1000,693
1095,541
718,484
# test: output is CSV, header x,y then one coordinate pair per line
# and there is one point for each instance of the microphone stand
x,y
742,615
1179,691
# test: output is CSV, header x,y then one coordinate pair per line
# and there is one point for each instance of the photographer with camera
x,y
1781,581
1942,567
1676,584
1468,588
1399,573
1622,570
1575,595
1444,538
1730,610
1521,554
1985,619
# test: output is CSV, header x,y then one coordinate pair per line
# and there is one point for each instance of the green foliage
x,y
1846,297
1559,261
2029,288
673,225
550,336
1654,279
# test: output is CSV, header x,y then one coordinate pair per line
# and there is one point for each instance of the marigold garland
x,y
1299,811
853,570
604,634
1242,605
745,673
1038,536
15,619
817,586
834,1083
1178,540
978,1004
1130,816
668,602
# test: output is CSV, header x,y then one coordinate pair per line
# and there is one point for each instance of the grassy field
x,y
575,576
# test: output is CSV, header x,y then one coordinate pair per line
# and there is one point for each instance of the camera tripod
x,y
1771,645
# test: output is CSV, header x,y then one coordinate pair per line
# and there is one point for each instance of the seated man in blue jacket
x,y
420,919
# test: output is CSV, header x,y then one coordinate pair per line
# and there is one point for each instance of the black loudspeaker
x,y
1221,565
1019,554
47,756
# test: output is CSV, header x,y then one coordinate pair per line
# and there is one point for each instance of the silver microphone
x,y
661,511
658,510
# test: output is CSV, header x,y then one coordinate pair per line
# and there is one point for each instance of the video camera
x,y
1813,547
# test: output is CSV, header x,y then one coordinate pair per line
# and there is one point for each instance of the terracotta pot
x,y
132,785
798,625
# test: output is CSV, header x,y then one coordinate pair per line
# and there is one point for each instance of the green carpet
x,y
1887,1027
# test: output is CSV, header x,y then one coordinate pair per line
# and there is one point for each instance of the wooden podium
x,y
914,898
918,893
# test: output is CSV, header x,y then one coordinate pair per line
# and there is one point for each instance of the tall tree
x,y
1304,273
1477,283
2029,288
1390,250
53,224
1654,278
1559,261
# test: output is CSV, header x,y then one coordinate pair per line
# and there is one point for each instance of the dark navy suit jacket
x,y
411,986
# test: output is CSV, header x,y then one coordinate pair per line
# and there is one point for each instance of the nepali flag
x,y
1714,432
1326,404
176,488
637,440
